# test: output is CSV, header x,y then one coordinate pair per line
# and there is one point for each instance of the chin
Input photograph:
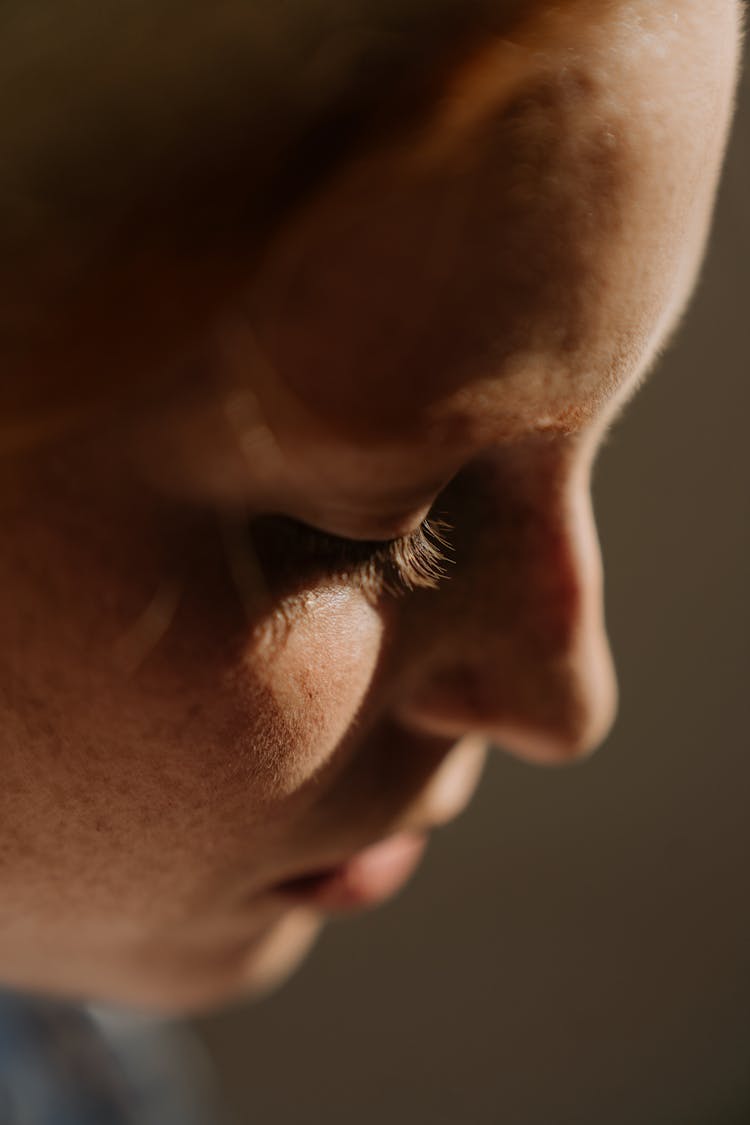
x,y
230,978
166,983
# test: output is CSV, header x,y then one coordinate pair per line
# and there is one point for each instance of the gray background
x,y
577,948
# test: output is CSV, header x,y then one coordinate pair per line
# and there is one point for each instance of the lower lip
x,y
367,879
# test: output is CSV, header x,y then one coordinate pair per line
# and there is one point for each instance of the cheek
x,y
147,791
315,669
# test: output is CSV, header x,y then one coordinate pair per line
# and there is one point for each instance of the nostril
x,y
549,713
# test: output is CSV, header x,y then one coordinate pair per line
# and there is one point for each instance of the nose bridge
x,y
514,644
556,576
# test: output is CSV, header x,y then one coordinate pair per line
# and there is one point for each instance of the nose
x,y
513,646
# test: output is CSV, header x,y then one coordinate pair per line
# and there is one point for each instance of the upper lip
x,y
421,812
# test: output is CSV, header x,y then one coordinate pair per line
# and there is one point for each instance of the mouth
x,y
367,879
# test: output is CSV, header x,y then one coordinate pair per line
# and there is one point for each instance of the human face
x,y
205,704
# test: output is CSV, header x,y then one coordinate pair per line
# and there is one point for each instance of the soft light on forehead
x,y
476,272
509,269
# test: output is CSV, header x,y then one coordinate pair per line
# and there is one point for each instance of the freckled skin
x,y
449,319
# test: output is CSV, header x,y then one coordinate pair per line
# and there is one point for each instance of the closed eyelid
x,y
295,551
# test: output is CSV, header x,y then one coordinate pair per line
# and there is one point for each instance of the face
x,y
261,621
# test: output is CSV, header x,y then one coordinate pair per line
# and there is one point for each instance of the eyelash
x,y
417,561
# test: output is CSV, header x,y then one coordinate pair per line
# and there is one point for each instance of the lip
x,y
367,879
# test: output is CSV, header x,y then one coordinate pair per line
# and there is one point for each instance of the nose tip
x,y
574,716
555,718
544,690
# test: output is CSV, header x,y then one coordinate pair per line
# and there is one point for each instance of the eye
x,y
291,551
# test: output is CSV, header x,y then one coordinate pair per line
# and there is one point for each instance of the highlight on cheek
x,y
305,671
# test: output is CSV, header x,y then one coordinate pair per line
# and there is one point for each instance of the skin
x,y
447,321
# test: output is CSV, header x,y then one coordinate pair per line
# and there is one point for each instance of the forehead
x,y
511,266
506,268
505,260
